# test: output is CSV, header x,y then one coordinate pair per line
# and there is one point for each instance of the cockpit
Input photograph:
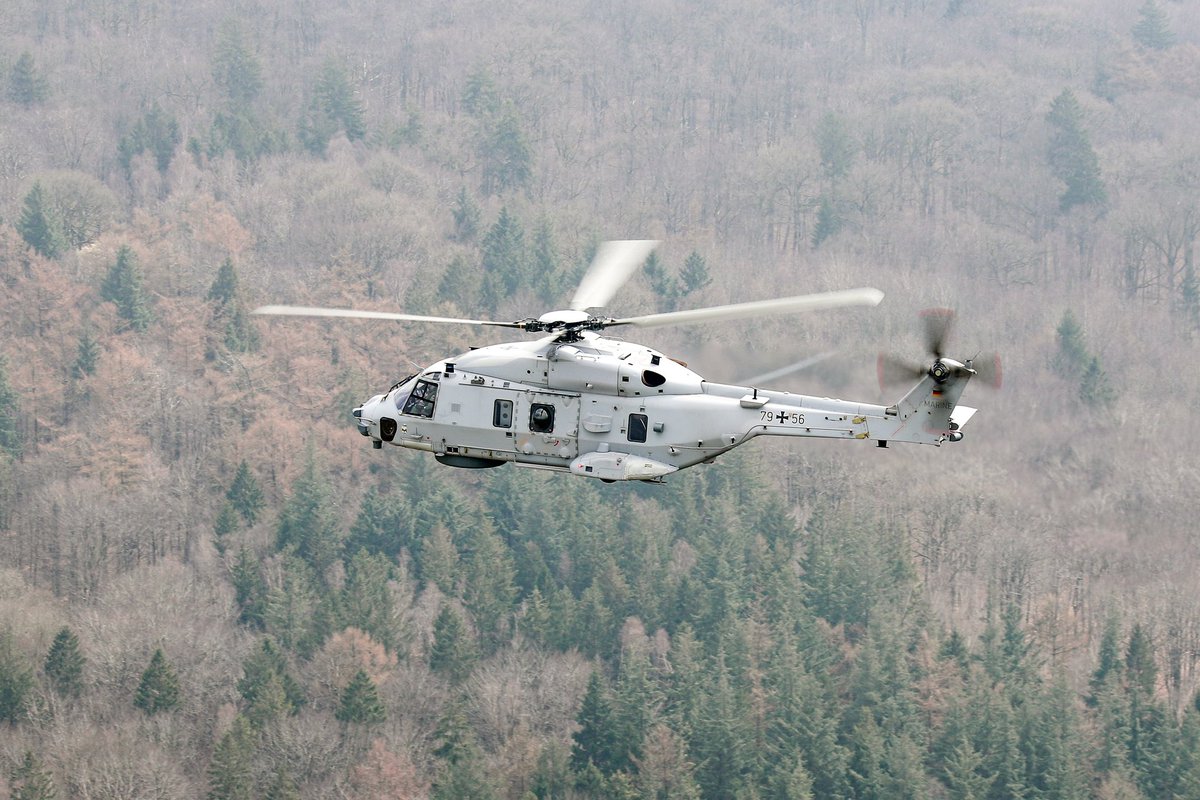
x,y
415,397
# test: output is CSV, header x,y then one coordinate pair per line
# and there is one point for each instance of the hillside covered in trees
x,y
211,587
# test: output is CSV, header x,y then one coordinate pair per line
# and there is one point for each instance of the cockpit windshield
x,y
420,401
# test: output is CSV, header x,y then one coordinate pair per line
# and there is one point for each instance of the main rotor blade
x,y
892,370
614,263
350,313
788,370
759,308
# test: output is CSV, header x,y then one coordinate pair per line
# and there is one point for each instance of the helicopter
x,y
575,400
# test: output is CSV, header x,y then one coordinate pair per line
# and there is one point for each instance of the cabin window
x,y
652,378
420,403
541,418
637,427
502,413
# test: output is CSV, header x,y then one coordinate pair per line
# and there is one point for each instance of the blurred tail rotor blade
x,y
988,369
893,370
938,323
614,263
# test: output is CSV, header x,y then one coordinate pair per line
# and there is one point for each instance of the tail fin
x,y
929,413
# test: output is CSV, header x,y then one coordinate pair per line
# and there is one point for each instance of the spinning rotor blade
x,y
614,263
349,313
759,308
788,370
938,323
987,369
893,370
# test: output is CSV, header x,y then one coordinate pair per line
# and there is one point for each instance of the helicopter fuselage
x,y
615,410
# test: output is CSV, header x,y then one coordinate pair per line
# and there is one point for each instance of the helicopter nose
x,y
366,416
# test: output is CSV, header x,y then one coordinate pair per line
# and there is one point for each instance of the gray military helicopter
x,y
577,401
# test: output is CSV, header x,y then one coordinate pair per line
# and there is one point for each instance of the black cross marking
x,y
781,417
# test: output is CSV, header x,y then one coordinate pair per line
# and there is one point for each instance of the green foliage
x,y
27,86
155,132
250,589
505,154
663,284
505,260
488,589
267,685
307,523
597,742
230,317
245,495
454,652
1095,389
829,221
158,689
367,601
282,787
122,286
1140,668
16,681
235,68
360,702
64,664
1071,157
332,108
836,146
694,276
384,525
467,217
230,772
87,356
10,412
41,225
1153,29
1072,352
461,772
480,97
30,780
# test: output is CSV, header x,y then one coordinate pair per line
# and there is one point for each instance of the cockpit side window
x,y
422,399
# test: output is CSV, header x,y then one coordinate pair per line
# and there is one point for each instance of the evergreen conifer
x,y
158,689
360,701
123,287
40,224
64,664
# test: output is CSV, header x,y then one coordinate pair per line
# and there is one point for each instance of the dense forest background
x,y
212,587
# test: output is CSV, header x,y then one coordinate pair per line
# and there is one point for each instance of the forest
x,y
212,587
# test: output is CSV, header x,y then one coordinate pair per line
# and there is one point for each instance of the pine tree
x,y
40,224
158,689
505,153
489,591
1072,352
10,412
332,108
360,701
64,664
1095,390
597,741
663,284
87,356
26,85
307,522
229,312
265,676
1071,157
504,260
250,589
1109,657
461,774
123,287
1153,29
230,772
836,146
1140,668
283,787
454,652
244,494
16,680
467,217
367,601
31,781
694,275
236,69
225,524
156,132
384,525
